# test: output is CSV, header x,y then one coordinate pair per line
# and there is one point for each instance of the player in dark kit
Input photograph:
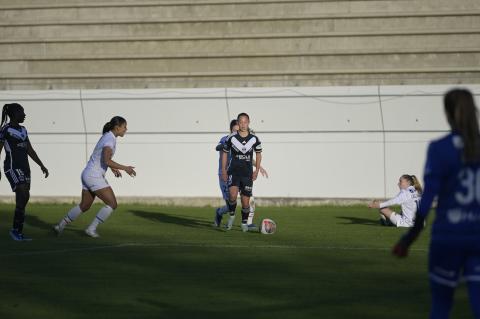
x,y
240,174
14,138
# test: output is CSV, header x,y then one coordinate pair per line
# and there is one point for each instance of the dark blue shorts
x,y
244,184
448,263
18,176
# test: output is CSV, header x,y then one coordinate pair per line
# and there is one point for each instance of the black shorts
x,y
18,176
244,184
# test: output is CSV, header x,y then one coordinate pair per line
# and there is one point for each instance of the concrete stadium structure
x,y
344,94
73,44
321,142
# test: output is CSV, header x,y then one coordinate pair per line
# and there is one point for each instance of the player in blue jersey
x,y
452,175
14,138
219,212
238,171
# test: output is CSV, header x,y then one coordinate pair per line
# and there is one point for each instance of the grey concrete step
x,y
40,9
285,64
52,11
230,28
427,41
242,79
139,11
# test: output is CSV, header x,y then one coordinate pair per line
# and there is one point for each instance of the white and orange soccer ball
x,y
268,227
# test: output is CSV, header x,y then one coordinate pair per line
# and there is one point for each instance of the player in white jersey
x,y
408,198
94,183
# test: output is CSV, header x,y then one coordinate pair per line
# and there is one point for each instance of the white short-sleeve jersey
x,y
409,200
96,166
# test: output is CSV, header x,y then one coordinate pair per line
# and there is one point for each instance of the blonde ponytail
x,y
416,184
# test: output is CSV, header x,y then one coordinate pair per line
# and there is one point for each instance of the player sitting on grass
x,y
408,198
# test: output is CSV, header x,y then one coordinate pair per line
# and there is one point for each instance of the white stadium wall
x,y
319,142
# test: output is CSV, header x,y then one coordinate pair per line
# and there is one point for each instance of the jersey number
x,y
470,180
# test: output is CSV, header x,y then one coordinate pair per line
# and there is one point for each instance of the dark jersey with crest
x,y
241,150
15,142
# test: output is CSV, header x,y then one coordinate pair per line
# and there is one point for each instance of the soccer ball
x,y
268,227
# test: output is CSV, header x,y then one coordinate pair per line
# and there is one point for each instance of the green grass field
x,y
169,262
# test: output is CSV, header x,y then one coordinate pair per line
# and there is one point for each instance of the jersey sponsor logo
x,y
244,157
456,216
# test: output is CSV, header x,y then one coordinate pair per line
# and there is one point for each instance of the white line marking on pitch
x,y
170,245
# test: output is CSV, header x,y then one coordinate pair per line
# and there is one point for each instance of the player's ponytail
x,y
462,116
8,110
413,181
115,121
416,184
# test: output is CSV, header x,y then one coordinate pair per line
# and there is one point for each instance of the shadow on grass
x,y
359,221
36,222
161,217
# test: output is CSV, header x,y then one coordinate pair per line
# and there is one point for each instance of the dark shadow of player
x,y
349,220
161,217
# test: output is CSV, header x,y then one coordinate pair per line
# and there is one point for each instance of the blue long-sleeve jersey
x,y
456,185
221,143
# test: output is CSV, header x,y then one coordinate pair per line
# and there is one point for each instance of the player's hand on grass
x,y
44,171
263,172
130,171
374,204
400,249
116,172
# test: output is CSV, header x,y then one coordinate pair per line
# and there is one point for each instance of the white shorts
x,y
91,182
399,221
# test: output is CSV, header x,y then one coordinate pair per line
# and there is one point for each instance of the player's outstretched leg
x,y
219,212
85,204
108,197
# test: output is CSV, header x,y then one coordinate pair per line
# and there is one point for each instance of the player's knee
x,y
113,205
84,207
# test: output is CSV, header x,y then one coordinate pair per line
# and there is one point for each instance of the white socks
x,y
70,217
250,216
230,221
101,217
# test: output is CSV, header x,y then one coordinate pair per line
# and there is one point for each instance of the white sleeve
x,y
401,198
109,142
